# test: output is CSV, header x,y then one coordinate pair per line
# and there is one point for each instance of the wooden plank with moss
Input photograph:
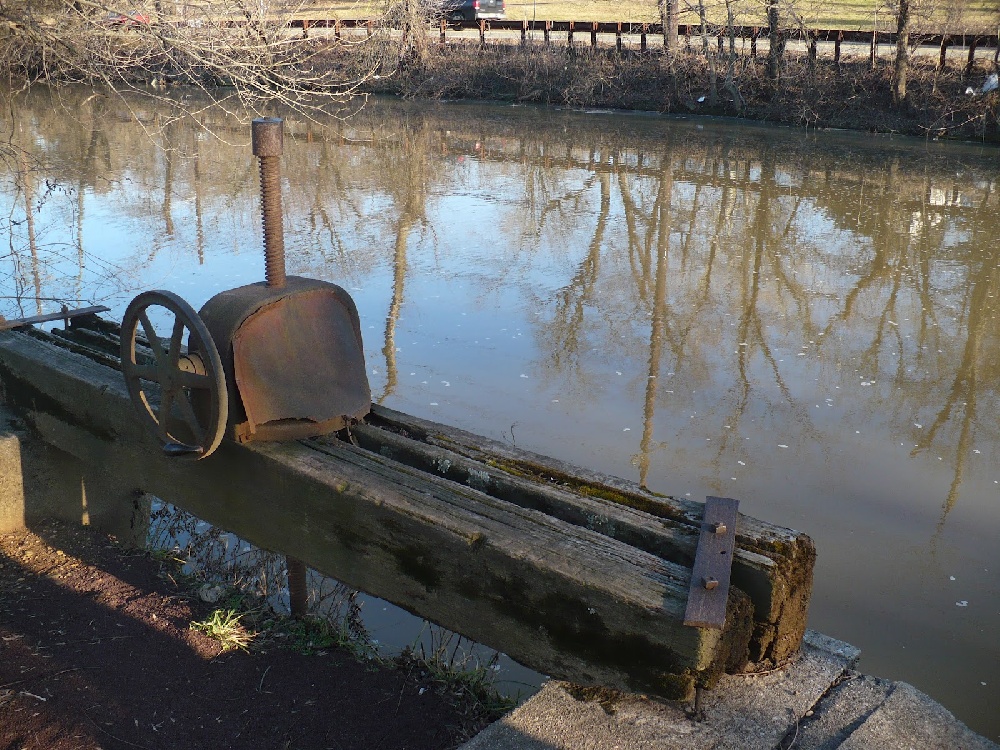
x,y
557,596
773,565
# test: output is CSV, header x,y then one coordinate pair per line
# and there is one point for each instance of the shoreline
x,y
812,93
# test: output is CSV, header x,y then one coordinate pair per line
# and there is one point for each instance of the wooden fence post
x,y
754,33
548,33
482,32
569,35
593,34
836,48
642,38
524,31
444,25
618,38
943,57
973,43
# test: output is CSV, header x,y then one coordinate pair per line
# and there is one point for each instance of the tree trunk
x,y
710,55
669,11
902,52
777,42
730,85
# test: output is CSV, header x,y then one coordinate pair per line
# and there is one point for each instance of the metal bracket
x,y
713,563
64,314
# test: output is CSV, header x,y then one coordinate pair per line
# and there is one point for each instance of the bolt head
x,y
267,136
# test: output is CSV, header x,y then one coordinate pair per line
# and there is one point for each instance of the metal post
x,y
267,138
298,593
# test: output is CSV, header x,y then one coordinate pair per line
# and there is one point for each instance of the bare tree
x,y
903,20
669,13
240,52
776,40
710,56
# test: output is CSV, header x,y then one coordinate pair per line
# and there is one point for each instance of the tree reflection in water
x,y
807,322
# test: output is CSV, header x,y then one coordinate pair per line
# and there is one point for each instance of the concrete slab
x,y
910,720
11,477
745,712
840,712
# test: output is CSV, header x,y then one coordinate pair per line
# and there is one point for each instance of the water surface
x,y
804,321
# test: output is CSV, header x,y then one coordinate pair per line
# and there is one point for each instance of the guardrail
x,y
621,29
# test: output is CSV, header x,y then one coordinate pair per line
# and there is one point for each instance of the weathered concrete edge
x,y
549,721
11,476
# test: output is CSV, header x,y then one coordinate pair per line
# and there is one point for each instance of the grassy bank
x,y
811,93
951,16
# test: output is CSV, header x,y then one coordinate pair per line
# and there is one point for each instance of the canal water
x,y
806,321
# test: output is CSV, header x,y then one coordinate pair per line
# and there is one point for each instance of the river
x,y
806,321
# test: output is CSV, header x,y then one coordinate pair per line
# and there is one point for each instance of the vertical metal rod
x,y
298,593
267,139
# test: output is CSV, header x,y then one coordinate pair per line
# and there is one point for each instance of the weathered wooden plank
x,y
706,605
664,538
772,564
556,596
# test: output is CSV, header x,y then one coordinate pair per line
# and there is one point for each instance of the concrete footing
x,y
818,702
39,482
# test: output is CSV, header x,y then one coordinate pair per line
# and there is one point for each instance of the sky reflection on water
x,y
807,322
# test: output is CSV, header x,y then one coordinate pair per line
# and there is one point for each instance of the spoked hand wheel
x,y
188,408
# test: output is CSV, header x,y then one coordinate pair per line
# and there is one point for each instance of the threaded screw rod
x,y
267,139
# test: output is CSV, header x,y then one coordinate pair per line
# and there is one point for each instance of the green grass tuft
x,y
225,626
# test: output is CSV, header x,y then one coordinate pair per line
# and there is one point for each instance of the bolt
x,y
298,593
711,583
718,528
267,139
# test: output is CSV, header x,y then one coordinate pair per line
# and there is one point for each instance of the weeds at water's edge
x,y
249,589
849,93
450,664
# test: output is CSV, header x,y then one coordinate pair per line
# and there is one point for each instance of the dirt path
x,y
96,652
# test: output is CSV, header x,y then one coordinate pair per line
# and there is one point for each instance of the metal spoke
x,y
193,380
175,341
146,372
151,337
163,414
187,412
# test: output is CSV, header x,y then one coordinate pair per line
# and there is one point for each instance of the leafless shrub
x,y
241,53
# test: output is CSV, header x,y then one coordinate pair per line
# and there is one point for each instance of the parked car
x,y
128,19
470,10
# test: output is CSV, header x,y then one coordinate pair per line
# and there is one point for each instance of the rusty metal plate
x,y
64,314
300,357
713,563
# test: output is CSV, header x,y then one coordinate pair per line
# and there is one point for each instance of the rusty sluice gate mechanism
x,y
276,360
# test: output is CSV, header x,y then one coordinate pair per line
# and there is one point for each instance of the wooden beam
x,y
558,597
772,564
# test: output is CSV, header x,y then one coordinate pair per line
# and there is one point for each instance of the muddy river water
x,y
805,321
